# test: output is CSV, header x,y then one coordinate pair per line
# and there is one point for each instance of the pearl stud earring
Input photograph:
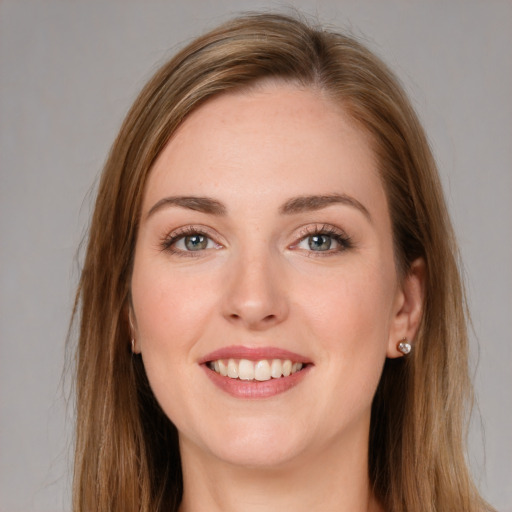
x,y
404,346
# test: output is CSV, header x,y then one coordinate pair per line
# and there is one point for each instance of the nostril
x,y
269,319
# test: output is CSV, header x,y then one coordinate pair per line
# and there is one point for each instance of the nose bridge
x,y
255,296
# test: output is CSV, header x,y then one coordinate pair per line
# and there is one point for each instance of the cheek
x,y
350,322
170,306
355,303
171,313
166,307
351,318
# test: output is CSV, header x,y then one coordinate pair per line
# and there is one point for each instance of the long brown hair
x,y
127,456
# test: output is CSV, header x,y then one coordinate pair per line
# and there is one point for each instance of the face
x,y
264,290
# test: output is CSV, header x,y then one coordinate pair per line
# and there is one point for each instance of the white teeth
x,y
287,367
232,369
245,369
296,367
223,369
262,370
276,369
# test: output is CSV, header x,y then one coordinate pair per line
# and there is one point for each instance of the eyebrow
x,y
315,202
198,204
294,205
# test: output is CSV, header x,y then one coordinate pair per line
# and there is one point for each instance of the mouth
x,y
248,372
261,370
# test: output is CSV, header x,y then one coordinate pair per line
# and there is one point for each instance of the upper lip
x,y
253,354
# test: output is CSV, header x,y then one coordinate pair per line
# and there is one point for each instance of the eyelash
x,y
168,242
343,240
340,237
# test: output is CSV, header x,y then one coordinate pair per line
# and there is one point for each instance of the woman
x,y
271,312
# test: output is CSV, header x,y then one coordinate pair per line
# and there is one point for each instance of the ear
x,y
408,307
133,332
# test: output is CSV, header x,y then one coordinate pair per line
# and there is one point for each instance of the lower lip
x,y
256,389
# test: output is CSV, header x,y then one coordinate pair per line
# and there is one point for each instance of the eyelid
x,y
343,239
319,227
166,243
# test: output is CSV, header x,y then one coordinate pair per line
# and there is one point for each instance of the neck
x,y
335,478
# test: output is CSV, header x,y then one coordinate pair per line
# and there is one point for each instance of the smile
x,y
255,372
262,370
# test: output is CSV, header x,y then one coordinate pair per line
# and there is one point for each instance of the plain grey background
x,y
69,71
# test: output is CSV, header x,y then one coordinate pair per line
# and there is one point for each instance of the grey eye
x,y
319,242
195,242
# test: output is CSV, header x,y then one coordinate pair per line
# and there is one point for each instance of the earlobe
x,y
409,310
133,340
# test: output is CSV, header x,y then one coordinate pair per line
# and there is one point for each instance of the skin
x,y
259,284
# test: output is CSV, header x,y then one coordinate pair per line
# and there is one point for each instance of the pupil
x,y
196,242
320,242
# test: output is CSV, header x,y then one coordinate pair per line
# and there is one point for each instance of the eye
x,y
326,239
320,242
188,240
197,242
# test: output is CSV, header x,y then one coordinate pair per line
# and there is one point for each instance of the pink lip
x,y
253,354
254,389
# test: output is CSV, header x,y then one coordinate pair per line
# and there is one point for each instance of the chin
x,y
262,455
255,444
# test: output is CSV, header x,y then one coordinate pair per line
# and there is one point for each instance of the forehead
x,y
274,140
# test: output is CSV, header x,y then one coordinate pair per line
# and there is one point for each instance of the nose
x,y
255,297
